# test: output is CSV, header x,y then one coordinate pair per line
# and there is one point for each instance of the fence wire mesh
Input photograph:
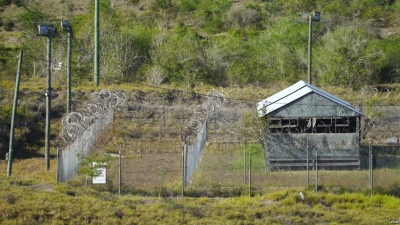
x,y
237,168
81,129
68,157
192,155
148,168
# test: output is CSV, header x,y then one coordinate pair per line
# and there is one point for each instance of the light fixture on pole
x,y
66,26
311,17
47,31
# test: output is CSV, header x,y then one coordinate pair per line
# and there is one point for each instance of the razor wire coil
x,y
75,123
200,115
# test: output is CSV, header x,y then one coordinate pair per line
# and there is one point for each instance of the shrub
x,y
8,25
188,5
17,2
161,4
10,198
394,190
244,17
5,3
134,1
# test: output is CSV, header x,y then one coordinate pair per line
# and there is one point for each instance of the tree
x,y
255,128
87,168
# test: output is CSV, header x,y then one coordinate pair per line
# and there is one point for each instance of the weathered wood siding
x,y
295,145
313,105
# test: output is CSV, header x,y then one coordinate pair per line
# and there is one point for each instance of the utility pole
x,y
310,21
11,145
96,43
66,26
48,102
315,16
48,31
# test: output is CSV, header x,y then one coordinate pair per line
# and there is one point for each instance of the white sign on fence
x,y
101,178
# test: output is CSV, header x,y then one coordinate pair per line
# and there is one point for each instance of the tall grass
x,y
26,204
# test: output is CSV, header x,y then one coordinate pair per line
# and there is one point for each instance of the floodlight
x,y
66,25
46,30
317,16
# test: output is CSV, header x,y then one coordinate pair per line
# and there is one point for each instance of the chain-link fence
x,y
69,157
192,155
239,168
152,153
81,130
148,168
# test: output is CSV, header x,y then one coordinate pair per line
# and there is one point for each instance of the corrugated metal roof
x,y
293,93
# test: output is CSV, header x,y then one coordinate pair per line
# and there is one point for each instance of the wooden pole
x,y
48,104
96,43
12,129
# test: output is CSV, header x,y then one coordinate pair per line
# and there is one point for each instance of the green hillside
x,y
221,43
166,55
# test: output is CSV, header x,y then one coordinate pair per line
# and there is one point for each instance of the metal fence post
x,y
244,162
308,168
183,169
316,172
371,174
119,171
250,170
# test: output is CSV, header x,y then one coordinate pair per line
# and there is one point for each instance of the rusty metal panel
x,y
296,145
314,105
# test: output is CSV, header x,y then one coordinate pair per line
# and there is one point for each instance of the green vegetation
x,y
170,52
222,43
87,166
28,201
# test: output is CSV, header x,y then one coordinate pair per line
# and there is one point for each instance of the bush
x,y
189,5
134,1
394,190
161,4
5,3
17,2
244,17
8,25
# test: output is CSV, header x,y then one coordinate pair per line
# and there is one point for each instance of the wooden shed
x,y
307,126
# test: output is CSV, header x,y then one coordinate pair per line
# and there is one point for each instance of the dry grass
x,y
32,171
32,195
31,203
